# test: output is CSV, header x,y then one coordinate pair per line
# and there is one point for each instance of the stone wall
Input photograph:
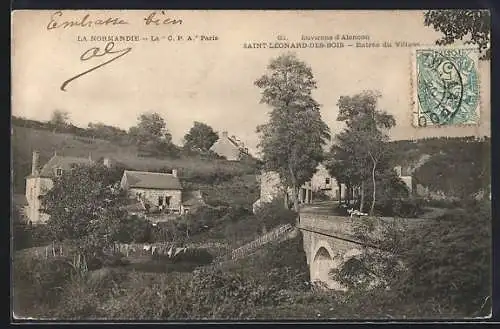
x,y
36,187
151,195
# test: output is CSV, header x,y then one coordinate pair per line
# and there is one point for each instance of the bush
x,y
134,229
450,261
274,214
404,208
441,268
38,283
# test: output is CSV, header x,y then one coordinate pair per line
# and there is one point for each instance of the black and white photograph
x,y
251,165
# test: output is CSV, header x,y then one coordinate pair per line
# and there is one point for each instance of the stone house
x,y
41,180
321,182
405,174
154,189
229,147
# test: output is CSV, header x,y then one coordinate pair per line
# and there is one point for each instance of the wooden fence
x,y
274,235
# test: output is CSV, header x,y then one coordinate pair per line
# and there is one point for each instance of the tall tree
x,y
201,136
84,206
457,24
151,135
59,120
292,141
150,127
363,143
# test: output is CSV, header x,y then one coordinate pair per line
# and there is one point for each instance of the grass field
x,y
26,140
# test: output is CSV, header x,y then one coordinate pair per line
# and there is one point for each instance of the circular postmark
x,y
447,87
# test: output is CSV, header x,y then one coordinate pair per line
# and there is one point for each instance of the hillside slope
x,y
457,167
191,168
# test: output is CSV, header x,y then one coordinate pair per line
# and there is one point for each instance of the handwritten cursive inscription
x,y
97,52
56,21
161,18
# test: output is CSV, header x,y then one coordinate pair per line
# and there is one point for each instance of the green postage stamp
x,y
445,86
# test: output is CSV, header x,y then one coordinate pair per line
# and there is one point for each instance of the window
x,y
327,181
59,171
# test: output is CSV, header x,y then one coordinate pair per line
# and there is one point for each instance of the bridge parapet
x,y
327,223
329,241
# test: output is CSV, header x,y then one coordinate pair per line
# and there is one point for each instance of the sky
x,y
212,81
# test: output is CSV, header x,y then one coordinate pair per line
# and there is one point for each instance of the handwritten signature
x,y
86,21
98,52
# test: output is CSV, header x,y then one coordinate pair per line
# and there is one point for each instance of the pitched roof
x,y
63,162
152,180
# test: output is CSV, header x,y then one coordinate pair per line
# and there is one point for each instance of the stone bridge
x,y
329,240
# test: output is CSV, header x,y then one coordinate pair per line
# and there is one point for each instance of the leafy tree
x,y
201,136
85,206
59,120
457,24
101,130
292,140
151,135
362,145
151,127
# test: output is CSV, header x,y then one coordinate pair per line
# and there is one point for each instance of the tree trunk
x,y
362,196
374,188
294,189
340,192
285,198
295,198
348,195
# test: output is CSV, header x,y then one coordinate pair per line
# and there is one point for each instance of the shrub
x,y
441,268
40,234
38,283
273,214
134,229
404,208
450,261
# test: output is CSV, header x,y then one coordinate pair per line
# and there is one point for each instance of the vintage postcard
x,y
251,165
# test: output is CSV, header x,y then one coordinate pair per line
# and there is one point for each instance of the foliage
x,y
378,266
25,140
59,120
20,231
200,137
404,208
461,173
107,132
85,206
152,137
444,266
38,282
457,24
361,150
450,260
134,229
273,214
291,142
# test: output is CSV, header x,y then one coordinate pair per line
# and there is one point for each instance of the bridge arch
x,y
323,259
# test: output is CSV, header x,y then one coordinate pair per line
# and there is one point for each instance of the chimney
x,y
224,134
107,162
34,163
398,170
174,172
